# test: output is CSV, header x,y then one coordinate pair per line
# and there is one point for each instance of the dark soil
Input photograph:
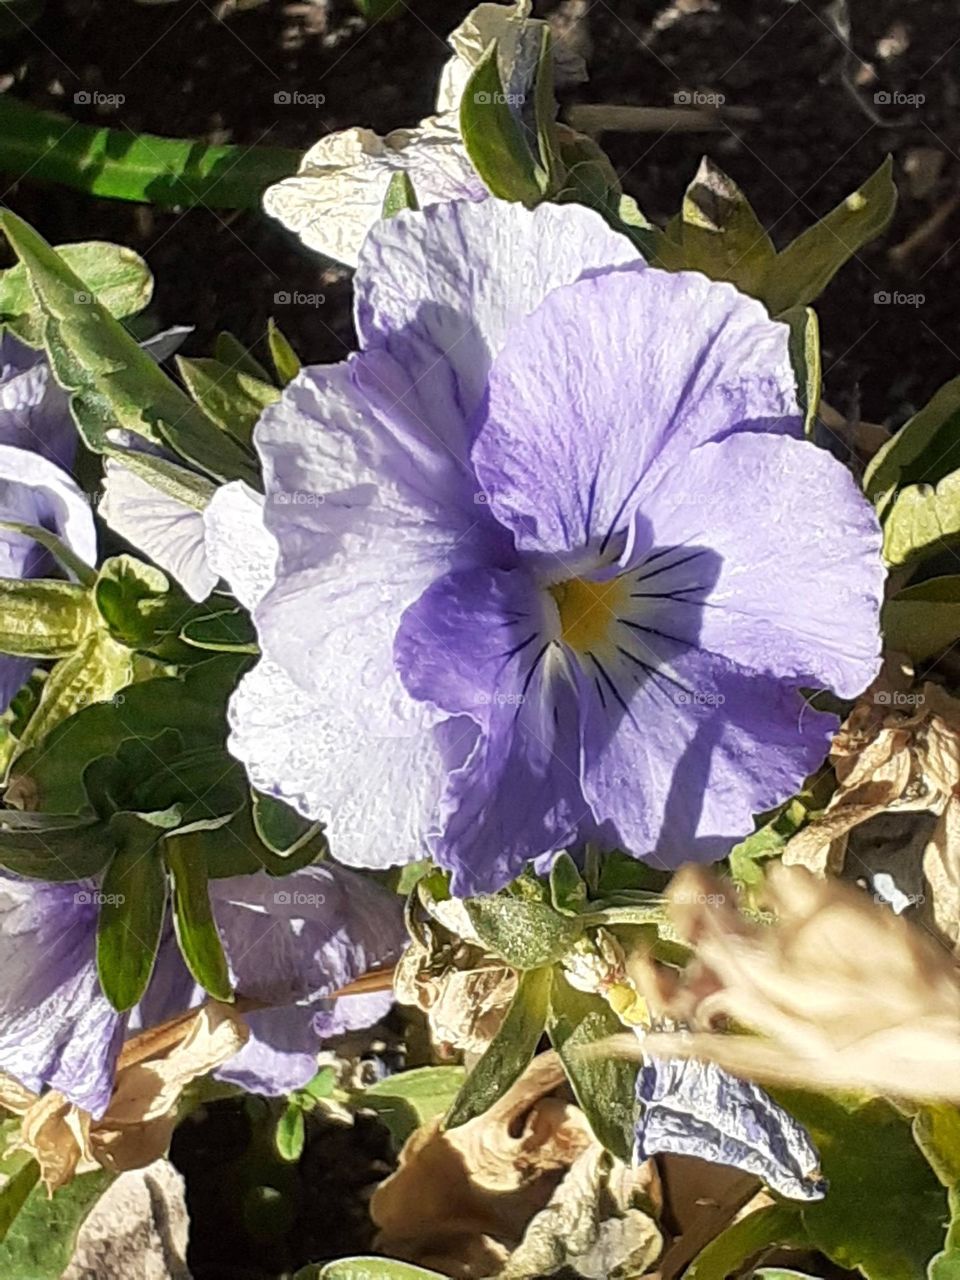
x,y
182,70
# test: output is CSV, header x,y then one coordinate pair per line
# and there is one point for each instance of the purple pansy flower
x,y
289,942
552,560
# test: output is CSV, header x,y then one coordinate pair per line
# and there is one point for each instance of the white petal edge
x,y
239,547
71,507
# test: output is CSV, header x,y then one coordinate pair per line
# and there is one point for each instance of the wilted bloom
x,y
290,942
338,193
551,560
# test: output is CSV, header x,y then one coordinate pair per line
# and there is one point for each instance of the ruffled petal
x,y
239,547
366,513
480,644
170,532
440,290
338,193
291,942
57,1029
613,379
798,580
376,796
34,413
681,748
37,491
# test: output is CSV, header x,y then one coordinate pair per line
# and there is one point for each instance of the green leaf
x,y
285,359
377,10
95,672
400,195
884,1211
231,352
730,1253
767,842
568,892
494,139
777,1273
231,397
936,1129
370,1268
923,519
42,1237
113,383
604,1087
291,1133
42,618
509,1052
193,703
805,268
409,1099
132,909
50,846
719,233
170,172
923,451
524,933
590,179
545,116
281,828
924,620
805,360
196,929
134,600
19,1174
226,630
116,276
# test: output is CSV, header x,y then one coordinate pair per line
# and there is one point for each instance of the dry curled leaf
x,y
840,993
898,751
464,992
463,1200
153,1070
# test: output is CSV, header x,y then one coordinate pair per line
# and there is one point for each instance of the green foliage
x,y
196,929
404,1102
400,194
914,481
41,1239
118,164
19,1174
494,138
923,621
884,1211
118,278
369,1268
729,1253
291,1132
43,619
132,908
805,359
525,933
231,397
285,360
510,1050
603,1086
113,383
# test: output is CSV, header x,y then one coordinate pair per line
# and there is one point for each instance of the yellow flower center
x,y
589,609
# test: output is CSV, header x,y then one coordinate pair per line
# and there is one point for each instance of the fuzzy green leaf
x,y
524,933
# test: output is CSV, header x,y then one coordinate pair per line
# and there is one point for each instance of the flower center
x,y
589,609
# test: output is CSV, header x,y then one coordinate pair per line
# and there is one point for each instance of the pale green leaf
x,y
509,1052
41,1239
805,268
409,1099
42,618
371,1268
230,396
923,451
922,519
524,933
730,1253
400,195
285,359
924,620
